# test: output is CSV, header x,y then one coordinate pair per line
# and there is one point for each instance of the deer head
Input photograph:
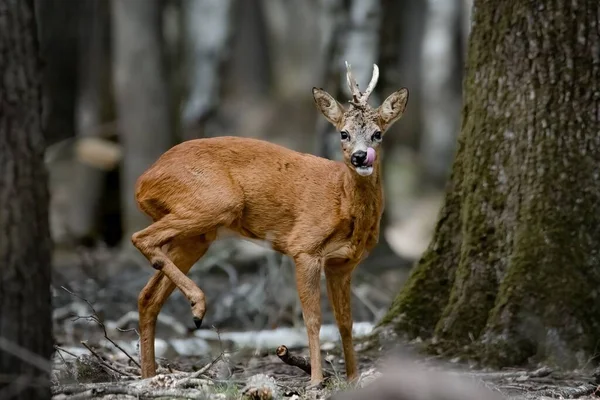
x,y
361,127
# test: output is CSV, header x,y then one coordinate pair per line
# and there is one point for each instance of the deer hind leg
x,y
184,254
339,293
308,282
172,227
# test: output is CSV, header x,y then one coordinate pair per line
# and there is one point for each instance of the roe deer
x,y
323,214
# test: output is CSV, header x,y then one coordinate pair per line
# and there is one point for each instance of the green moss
x,y
231,391
419,304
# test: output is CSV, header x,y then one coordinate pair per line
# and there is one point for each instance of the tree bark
x,y
512,274
25,309
141,97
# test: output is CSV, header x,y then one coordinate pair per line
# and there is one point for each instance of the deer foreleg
x,y
308,274
339,293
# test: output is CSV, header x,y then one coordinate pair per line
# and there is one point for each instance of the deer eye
x,y
344,135
376,136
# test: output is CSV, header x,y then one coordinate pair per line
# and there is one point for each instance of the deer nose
x,y
358,158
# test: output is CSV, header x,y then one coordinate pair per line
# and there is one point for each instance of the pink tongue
x,y
370,156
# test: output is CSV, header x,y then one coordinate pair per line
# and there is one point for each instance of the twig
x,y
129,330
295,361
65,351
95,318
187,380
65,361
104,363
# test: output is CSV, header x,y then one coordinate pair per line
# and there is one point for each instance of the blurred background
x,y
125,80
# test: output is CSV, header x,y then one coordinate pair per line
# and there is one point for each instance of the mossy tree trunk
x,y
25,303
513,271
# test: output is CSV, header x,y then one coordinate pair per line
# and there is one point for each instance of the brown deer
x,y
323,214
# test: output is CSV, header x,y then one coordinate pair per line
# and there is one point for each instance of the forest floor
x,y
96,354
386,371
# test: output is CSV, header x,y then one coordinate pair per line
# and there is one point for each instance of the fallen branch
x,y
94,317
571,392
296,361
501,375
138,392
175,385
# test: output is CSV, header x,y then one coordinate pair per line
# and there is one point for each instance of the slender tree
x,y
25,324
141,96
512,273
208,31
92,110
441,60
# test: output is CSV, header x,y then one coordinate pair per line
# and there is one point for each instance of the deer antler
x,y
358,98
352,84
373,82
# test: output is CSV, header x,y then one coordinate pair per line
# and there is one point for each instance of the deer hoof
x,y
198,322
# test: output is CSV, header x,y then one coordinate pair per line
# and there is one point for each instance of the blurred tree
x,y
58,28
25,309
208,30
350,32
512,273
402,33
93,110
441,58
141,96
250,66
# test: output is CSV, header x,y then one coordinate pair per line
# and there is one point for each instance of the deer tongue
x,y
370,157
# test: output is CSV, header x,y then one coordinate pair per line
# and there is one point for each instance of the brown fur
x,y
319,212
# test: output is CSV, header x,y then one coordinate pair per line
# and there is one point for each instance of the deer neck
x,y
364,192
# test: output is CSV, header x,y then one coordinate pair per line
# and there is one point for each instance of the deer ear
x,y
393,107
330,107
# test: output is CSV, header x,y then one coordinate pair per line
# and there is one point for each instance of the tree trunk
x,y
141,97
25,325
208,32
92,110
512,271
59,50
249,71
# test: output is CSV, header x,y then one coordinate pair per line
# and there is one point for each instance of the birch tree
x,y
208,28
441,88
